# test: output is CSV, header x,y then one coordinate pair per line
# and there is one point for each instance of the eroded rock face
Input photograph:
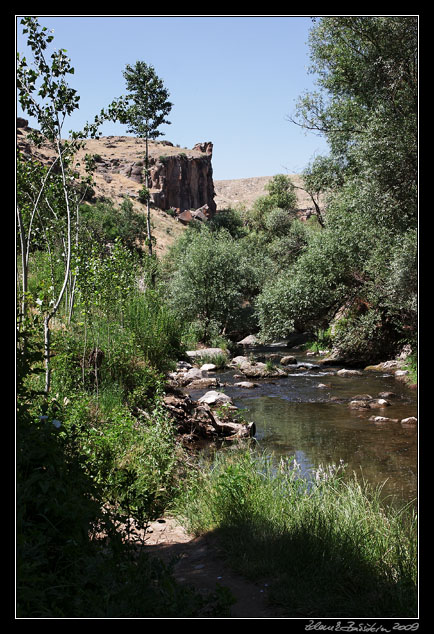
x,y
183,182
179,178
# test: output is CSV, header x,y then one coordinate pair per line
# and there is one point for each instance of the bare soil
x,y
199,564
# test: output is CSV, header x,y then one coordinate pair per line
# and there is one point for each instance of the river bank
x,y
295,403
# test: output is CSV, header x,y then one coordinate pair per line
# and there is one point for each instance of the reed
x,y
327,543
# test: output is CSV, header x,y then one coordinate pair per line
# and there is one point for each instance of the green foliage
x,y
144,110
149,101
281,195
229,219
134,460
71,561
212,278
156,327
144,195
323,340
219,360
103,223
367,252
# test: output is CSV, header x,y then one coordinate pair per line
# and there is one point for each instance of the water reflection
x,y
306,415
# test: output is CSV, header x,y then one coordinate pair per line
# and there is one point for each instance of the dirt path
x,y
200,564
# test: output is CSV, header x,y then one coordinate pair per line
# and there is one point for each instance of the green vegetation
x,y
325,542
101,321
144,110
366,255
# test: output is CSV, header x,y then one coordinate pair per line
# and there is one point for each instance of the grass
x,y
220,360
328,545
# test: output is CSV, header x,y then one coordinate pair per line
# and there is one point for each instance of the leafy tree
x,y
281,195
145,109
321,176
367,109
212,279
50,197
103,222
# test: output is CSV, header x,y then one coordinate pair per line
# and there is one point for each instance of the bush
x,y
71,561
103,223
212,279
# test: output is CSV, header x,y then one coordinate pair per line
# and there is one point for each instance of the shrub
x,y
71,561
212,278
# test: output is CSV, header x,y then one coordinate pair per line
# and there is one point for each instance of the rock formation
x,y
180,179
182,182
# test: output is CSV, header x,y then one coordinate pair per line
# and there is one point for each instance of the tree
x,y
145,111
319,177
367,109
49,196
281,195
212,278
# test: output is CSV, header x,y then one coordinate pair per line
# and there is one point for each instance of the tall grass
x,y
327,546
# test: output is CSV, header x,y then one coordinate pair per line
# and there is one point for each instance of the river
x,y
295,416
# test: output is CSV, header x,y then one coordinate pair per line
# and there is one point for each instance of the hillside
x,y
244,191
118,174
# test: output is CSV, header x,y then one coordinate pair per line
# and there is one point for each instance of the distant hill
x,y
244,191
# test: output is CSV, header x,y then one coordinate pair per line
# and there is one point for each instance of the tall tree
x,y
366,107
48,197
145,111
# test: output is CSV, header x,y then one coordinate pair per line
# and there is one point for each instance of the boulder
x,y
359,405
199,384
380,402
196,419
384,366
251,340
401,375
368,403
215,398
208,367
258,369
246,384
183,365
411,420
288,360
387,395
345,372
192,375
383,419
239,360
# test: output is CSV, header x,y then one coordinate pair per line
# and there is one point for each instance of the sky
x,y
233,80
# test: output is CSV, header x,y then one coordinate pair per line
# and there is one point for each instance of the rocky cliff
x,y
180,178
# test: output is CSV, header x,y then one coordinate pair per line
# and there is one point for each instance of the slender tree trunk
x,y
148,210
23,263
53,312
47,338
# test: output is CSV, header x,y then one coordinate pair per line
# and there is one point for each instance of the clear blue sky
x,y
233,80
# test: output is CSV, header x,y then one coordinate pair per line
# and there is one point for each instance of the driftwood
x,y
199,420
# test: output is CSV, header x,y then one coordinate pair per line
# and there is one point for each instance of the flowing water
x,y
294,416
